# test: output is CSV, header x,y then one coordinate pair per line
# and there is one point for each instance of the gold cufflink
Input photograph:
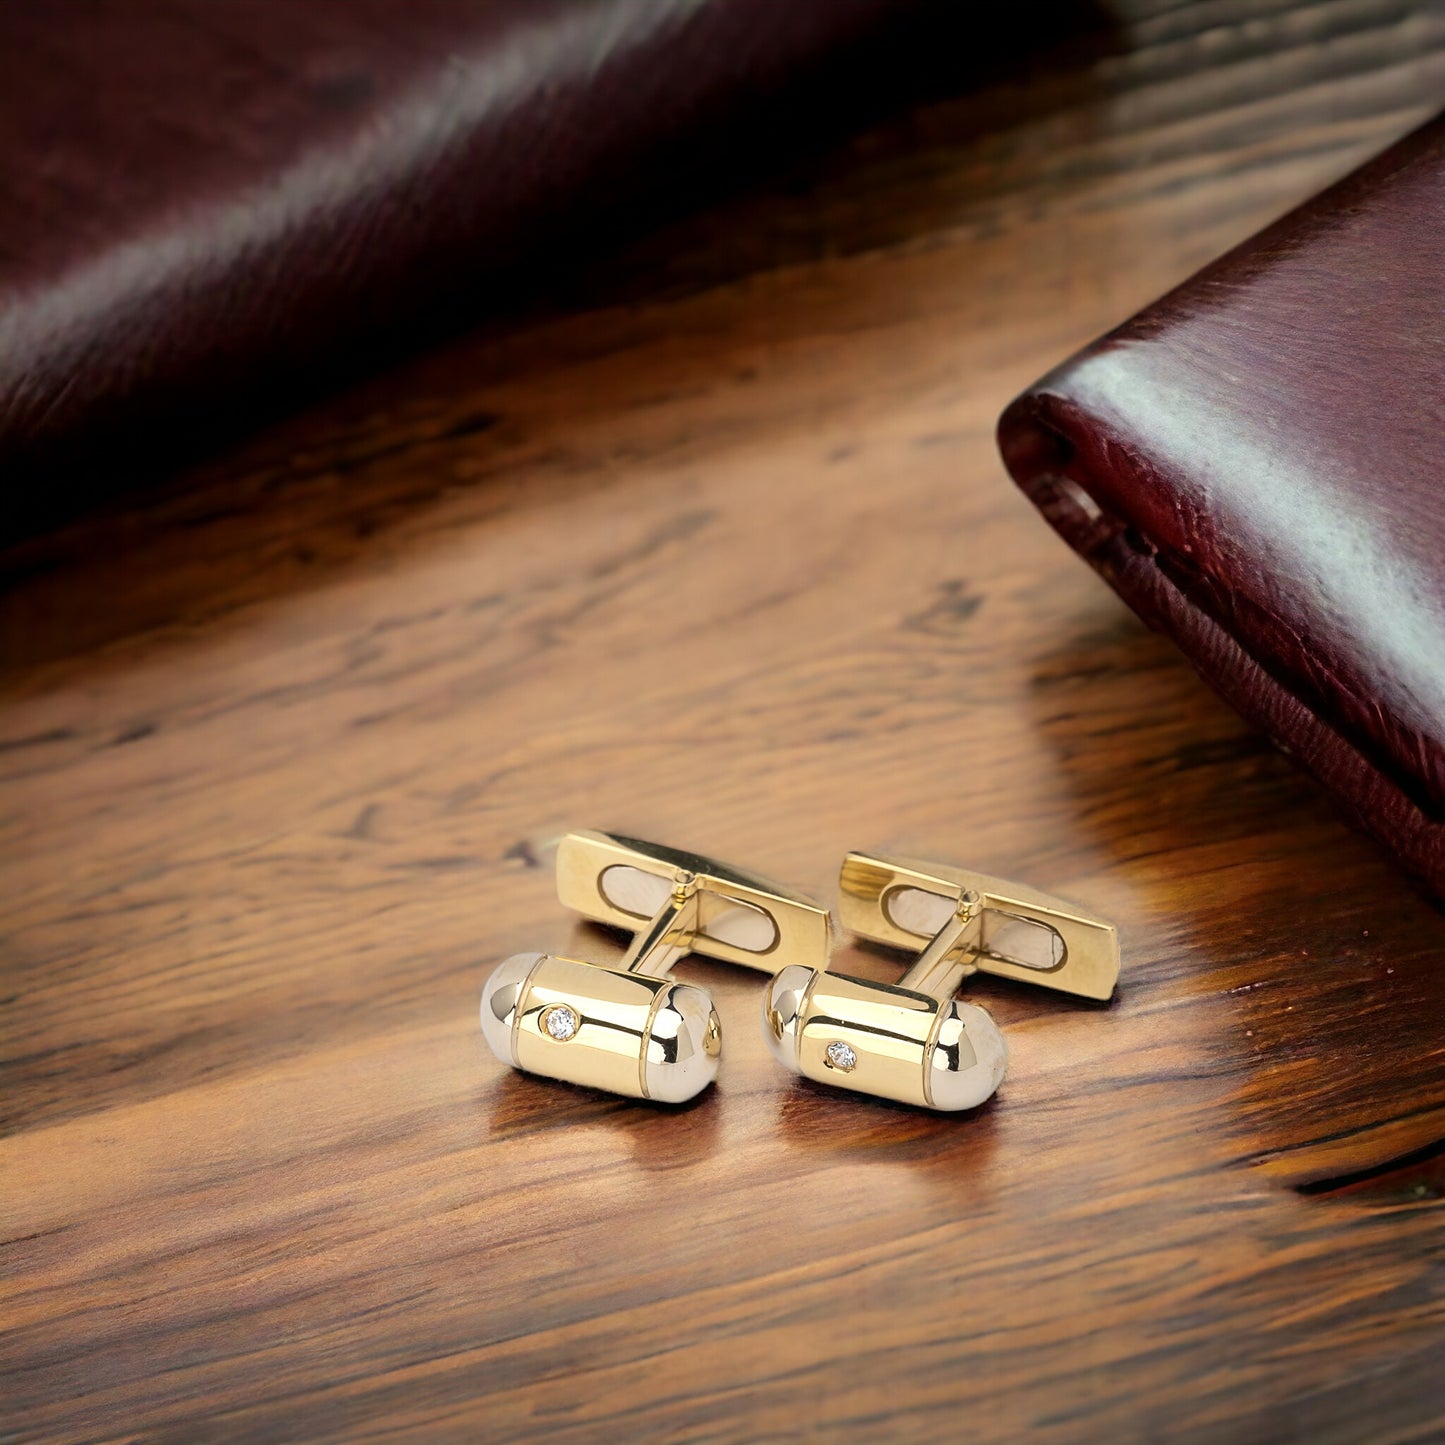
x,y
914,1041
630,1027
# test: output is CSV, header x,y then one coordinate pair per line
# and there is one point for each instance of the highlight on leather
x,y
1254,463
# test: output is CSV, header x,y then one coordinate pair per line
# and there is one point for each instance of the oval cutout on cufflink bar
x,y
634,890
916,910
1023,941
1006,937
638,892
743,926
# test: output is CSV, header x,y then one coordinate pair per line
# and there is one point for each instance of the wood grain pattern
x,y
725,557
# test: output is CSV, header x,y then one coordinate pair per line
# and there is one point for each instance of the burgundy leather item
x,y
205,199
1257,464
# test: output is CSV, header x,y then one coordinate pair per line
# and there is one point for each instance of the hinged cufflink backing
x,y
630,1028
914,1041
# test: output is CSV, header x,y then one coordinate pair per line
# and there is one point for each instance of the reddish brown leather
x,y
1257,464
207,199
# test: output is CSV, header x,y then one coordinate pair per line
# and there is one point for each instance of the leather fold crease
x,y
1256,463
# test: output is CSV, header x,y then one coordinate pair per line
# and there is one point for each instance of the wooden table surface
x,y
723,556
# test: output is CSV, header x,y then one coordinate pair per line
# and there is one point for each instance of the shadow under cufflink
x,y
673,1136
819,1123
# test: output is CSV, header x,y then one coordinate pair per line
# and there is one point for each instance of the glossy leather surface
x,y
1257,464
205,200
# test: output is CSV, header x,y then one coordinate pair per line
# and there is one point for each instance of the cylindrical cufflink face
x,y
883,1040
650,1038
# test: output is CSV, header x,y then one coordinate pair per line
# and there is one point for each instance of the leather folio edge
x,y
1035,439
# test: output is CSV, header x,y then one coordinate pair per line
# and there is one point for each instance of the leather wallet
x,y
215,207
1256,463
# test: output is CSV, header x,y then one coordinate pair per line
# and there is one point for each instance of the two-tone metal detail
x,y
631,1028
645,1037
914,1041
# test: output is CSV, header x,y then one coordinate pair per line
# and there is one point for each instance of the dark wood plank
x,y
725,558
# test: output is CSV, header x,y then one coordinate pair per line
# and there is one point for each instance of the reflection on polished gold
x,y
632,1029
914,1041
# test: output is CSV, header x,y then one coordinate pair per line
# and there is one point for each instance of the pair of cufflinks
x,y
633,1029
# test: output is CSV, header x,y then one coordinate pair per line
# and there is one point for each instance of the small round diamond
x,y
840,1056
561,1022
